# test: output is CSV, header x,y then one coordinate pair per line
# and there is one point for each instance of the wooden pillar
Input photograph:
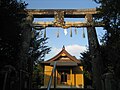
x,y
55,79
71,76
95,53
82,77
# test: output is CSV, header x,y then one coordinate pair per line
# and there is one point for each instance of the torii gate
x,y
90,24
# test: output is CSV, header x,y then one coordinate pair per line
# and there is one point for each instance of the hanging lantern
x,y
58,33
70,32
83,33
75,31
45,33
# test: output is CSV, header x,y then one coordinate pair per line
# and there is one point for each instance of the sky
x,y
75,44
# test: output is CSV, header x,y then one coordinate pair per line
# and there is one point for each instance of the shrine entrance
x,y
59,21
64,74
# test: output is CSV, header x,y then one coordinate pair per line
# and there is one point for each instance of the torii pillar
x,y
26,38
95,53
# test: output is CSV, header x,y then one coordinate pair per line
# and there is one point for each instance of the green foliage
x,y
87,64
10,33
38,50
10,40
37,78
38,47
109,13
87,61
110,49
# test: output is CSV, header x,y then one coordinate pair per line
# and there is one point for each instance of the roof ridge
x,y
63,51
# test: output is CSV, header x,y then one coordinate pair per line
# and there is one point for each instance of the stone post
x,y
26,38
109,82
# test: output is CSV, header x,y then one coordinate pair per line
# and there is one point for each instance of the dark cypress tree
x,y
10,41
10,33
38,50
110,16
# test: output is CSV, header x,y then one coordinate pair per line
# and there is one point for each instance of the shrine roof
x,y
63,57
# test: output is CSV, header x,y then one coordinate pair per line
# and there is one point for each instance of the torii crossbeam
x,y
60,14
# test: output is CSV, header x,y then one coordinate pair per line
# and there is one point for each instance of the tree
x,y
87,64
10,33
37,77
38,47
38,50
110,16
10,36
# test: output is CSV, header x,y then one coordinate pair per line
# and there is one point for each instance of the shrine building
x,y
68,71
